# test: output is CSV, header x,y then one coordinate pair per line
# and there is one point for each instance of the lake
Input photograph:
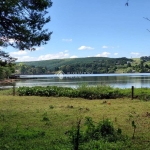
x,y
137,80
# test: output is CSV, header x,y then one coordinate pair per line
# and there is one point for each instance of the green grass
x,y
33,122
6,91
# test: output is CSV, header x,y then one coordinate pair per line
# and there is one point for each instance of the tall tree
x,y
5,58
6,65
22,22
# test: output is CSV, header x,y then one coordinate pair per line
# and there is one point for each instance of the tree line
x,y
91,65
88,65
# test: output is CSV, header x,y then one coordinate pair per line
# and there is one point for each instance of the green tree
x,y
128,64
1,72
6,65
22,22
146,66
7,72
23,69
5,58
141,64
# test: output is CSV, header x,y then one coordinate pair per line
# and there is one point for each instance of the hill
x,y
73,65
51,64
85,65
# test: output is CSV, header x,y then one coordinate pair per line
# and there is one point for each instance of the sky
x,y
97,28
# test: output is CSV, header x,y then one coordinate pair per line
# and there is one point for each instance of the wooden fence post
x,y
132,96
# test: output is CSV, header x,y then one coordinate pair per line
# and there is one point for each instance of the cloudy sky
x,y
101,28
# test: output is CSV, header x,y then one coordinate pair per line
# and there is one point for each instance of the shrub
x,y
97,134
85,91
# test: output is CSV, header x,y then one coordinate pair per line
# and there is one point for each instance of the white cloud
x,y
104,46
7,40
67,40
26,58
11,41
39,48
59,55
66,51
22,56
115,54
110,47
74,56
1,48
18,53
85,48
135,53
104,54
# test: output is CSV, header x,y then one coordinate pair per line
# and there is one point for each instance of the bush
x,y
85,91
97,134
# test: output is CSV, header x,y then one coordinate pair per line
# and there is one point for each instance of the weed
x,y
2,117
134,127
45,117
17,128
87,109
106,128
75,135
69,106
102,131
37,110
28,134
130,116
115,119
48,123
51,106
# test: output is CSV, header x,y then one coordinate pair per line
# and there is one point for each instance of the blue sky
x,y
101,28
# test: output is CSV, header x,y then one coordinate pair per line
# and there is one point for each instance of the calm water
x,y
74,80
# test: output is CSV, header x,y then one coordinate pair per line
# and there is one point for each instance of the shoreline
x,y
8,81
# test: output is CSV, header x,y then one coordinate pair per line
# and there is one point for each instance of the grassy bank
x,y
33,122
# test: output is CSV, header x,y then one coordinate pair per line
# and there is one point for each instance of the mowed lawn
x,y
56,115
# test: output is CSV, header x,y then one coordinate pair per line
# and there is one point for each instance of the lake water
x,y
74,80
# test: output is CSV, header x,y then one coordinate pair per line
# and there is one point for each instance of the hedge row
x,y
88,92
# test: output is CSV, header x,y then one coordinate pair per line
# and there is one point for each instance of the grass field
x,y
31,122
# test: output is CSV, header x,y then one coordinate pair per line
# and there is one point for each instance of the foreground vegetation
x,y
85,91
61,123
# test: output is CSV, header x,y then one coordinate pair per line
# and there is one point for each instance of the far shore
x,y
8,81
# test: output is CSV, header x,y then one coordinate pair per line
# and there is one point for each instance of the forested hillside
x,y
74,65
85,65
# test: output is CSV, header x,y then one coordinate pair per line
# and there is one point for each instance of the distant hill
x,y
53,63
80,65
